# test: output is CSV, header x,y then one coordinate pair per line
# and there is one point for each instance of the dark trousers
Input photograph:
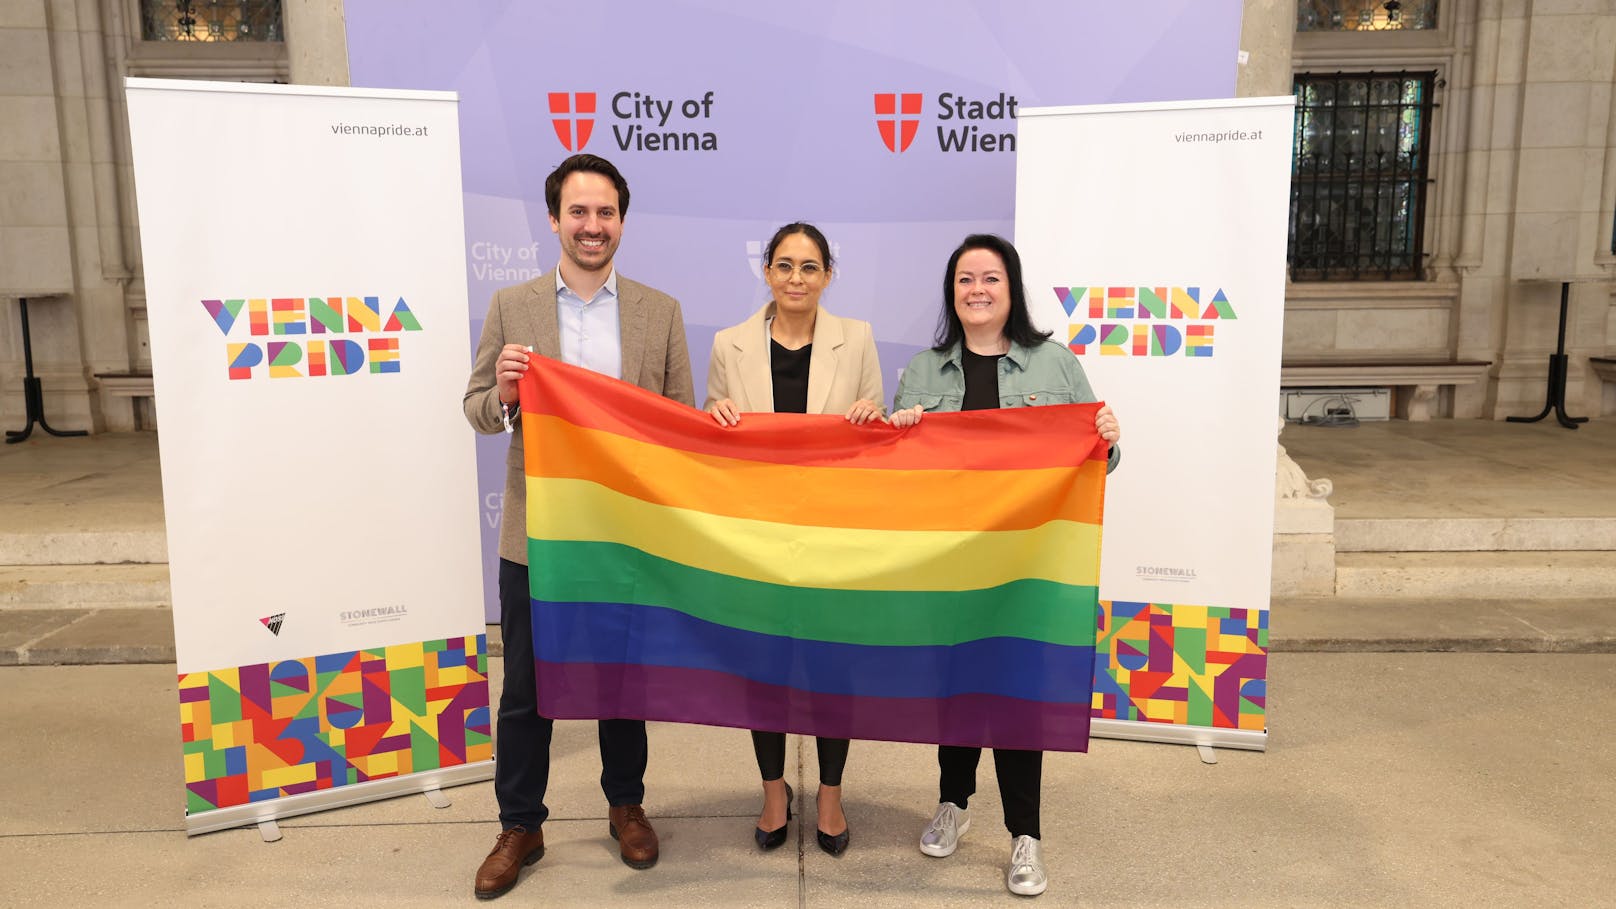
x,y
1020,776
522,742
770,748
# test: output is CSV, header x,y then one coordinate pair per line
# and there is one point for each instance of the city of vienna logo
x,y
273,623
898,118
573,115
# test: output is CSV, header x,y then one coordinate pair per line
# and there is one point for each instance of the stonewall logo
x,y
1143,321
642,121
303,357
963,123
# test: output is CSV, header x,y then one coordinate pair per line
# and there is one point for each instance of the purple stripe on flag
x,y
708,697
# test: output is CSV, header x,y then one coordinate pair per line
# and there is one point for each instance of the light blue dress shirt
x,y
589,328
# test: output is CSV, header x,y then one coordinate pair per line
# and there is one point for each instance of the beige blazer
x,y
652,332
842,368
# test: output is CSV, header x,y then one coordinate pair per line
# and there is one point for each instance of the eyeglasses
x,y
810,271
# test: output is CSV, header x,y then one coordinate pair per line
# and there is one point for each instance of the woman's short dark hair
x,y
1019,327
807,230
590,164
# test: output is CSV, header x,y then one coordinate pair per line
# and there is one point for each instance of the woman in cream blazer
x,y
792,356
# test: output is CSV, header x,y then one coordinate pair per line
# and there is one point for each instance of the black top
x,y
790,368
981,380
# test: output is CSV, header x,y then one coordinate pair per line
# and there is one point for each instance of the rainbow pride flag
x,y
798,573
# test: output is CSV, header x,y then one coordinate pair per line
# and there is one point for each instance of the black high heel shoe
x,y
835,845
773,839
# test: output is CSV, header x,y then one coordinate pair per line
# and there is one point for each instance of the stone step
x,y
1428,624
108,547
1477,575
1462,534
82,586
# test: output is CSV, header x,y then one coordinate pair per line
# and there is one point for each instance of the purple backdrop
x,y
770,115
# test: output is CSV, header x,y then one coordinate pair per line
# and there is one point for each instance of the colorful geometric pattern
x,y
274,729
1184,665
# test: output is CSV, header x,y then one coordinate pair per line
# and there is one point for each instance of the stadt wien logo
x,y
897,116
573,116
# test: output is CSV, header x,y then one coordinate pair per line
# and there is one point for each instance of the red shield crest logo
x,y
573,116
897,116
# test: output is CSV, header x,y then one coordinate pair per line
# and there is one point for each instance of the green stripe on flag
x,y
594,572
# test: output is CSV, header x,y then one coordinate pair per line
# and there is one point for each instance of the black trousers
x,y
522,742
770,749
1020,777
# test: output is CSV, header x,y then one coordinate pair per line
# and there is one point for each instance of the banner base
x,y
1134,731
309,802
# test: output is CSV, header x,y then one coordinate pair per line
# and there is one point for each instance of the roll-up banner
x,y
1153,238
305,285
892,126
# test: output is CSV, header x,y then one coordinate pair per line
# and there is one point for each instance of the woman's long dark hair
x,y
1019,327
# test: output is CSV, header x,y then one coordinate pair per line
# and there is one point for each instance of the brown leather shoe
x,y
514,848
635,838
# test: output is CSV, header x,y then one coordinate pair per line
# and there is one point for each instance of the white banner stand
x,y
305,272
1153,238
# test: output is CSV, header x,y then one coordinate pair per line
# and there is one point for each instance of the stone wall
x,y
1523,168
52,248
69,236
1523,164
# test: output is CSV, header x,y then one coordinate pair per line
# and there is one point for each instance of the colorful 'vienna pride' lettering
x,y
289,316
1157,305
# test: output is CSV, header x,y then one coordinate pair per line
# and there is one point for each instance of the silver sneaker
x,y
942,835
1026,875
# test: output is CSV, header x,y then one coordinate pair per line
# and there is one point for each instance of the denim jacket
x,y
1043,374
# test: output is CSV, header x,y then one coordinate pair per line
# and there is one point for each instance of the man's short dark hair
x,y
592,164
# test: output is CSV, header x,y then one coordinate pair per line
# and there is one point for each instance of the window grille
x,y
211,20
1364,15
1358,176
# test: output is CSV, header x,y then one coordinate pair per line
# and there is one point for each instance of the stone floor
x,y
1468,468
1391,780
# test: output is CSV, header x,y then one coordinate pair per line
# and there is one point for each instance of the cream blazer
x,y
842,368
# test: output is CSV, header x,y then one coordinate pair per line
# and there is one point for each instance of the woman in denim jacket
x,y
988,355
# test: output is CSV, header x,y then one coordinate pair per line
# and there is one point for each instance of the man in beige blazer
x,y
586,314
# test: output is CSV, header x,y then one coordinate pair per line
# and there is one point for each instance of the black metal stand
x,y
1558,366
32,395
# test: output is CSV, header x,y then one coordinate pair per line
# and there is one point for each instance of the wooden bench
x,y
1416,381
